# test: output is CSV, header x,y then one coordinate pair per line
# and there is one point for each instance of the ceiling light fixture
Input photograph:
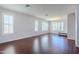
x,y
55,18
28,5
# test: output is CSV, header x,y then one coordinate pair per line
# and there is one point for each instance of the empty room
x,y
39,29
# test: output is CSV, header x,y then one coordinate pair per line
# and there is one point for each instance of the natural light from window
x,y
57,26
36,25
7,24
44,26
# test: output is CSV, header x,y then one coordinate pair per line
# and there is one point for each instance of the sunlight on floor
x,y
10,50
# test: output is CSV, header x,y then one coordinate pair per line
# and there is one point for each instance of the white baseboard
x,y
77,45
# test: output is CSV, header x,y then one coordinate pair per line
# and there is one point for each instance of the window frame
x,y
8,24
43,24
59,26
36,27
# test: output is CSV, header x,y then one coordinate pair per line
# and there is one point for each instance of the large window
x,y
7,24
57,26
36,25
44,26
54,26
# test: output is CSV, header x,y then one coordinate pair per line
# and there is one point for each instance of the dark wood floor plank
x,y
45,44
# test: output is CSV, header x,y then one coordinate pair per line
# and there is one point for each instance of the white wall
x,y
71,26
0,24
77,26
64,20
23,26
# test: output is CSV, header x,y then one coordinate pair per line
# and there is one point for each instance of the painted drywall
x,y
71,26
23,26
77,26
64,20
0,25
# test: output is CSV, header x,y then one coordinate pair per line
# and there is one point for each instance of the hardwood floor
x,y
45,44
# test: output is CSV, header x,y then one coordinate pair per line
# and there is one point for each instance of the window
x,y
54,24
44,26
62,26
7,24
36,25
57,26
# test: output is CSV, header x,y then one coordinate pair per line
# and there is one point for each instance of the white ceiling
x,y
40,10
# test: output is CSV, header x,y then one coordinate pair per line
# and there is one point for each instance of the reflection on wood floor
x,y
44,44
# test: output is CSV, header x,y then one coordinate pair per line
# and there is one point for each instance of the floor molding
x,y
77,45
